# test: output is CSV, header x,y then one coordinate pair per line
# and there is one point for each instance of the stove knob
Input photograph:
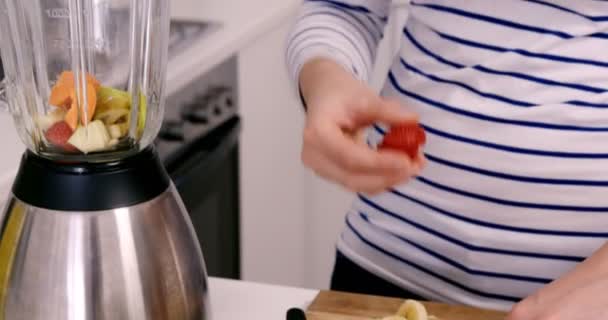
x,y
172,131
217,110
228,102
196,117
196,112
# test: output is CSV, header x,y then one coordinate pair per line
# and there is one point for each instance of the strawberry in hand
x,y
406,137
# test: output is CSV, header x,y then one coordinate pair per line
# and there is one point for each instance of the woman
x,y
507,206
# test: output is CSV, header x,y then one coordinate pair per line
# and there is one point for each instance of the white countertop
x,y
233,300
242,22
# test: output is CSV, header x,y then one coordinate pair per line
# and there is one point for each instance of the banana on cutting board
x,y
411,310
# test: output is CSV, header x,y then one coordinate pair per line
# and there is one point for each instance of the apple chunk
x,y
90,138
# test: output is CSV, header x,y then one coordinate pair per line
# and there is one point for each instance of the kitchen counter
x,y
241,22
232,300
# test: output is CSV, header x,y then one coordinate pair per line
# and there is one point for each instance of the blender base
x,y
140,261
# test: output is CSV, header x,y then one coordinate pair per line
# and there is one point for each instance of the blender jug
x,y
93,229
85,78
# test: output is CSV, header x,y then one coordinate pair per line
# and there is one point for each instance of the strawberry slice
x,y
405,137
59,134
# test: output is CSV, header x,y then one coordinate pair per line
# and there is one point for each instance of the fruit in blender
x,y
113,116
61,93
90,138
59,134
105,107
61,96
115,131
48,120
110,98
72,115
113,142
114,108
66,78
406,137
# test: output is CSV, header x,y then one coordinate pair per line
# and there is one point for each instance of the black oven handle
x,y
208,152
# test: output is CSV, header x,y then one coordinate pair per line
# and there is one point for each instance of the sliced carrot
x,y
92,80
67,78
91,101
61,96
71,117
61,93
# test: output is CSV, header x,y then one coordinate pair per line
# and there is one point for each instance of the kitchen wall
x,y
274,222
291,218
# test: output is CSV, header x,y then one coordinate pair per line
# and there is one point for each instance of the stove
x,y
200,107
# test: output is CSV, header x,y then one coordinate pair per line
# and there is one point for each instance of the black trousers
x,y
349,277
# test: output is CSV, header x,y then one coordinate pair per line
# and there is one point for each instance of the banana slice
x,y
394,318
413,310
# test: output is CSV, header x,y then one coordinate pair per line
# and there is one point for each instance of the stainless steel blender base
x,y
139,262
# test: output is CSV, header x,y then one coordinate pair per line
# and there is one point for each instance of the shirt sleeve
x,y
346,31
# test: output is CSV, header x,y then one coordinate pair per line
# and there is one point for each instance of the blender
x,y
94,228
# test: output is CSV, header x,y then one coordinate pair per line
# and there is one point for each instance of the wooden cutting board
x,y
329,305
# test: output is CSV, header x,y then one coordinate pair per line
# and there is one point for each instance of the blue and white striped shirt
x,y
513,95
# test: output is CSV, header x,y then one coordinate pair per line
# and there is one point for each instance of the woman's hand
x,y
339,106
589,301
581,294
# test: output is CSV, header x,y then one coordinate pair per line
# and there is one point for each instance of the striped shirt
x,y
513,95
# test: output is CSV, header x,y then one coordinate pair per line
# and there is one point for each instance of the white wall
x,y
291,218
274,225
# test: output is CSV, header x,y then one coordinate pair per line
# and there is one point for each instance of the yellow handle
x,y
8,247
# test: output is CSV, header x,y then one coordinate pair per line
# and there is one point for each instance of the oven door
x,y
206,175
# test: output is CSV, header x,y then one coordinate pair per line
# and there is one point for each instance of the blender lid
x,y
81,187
